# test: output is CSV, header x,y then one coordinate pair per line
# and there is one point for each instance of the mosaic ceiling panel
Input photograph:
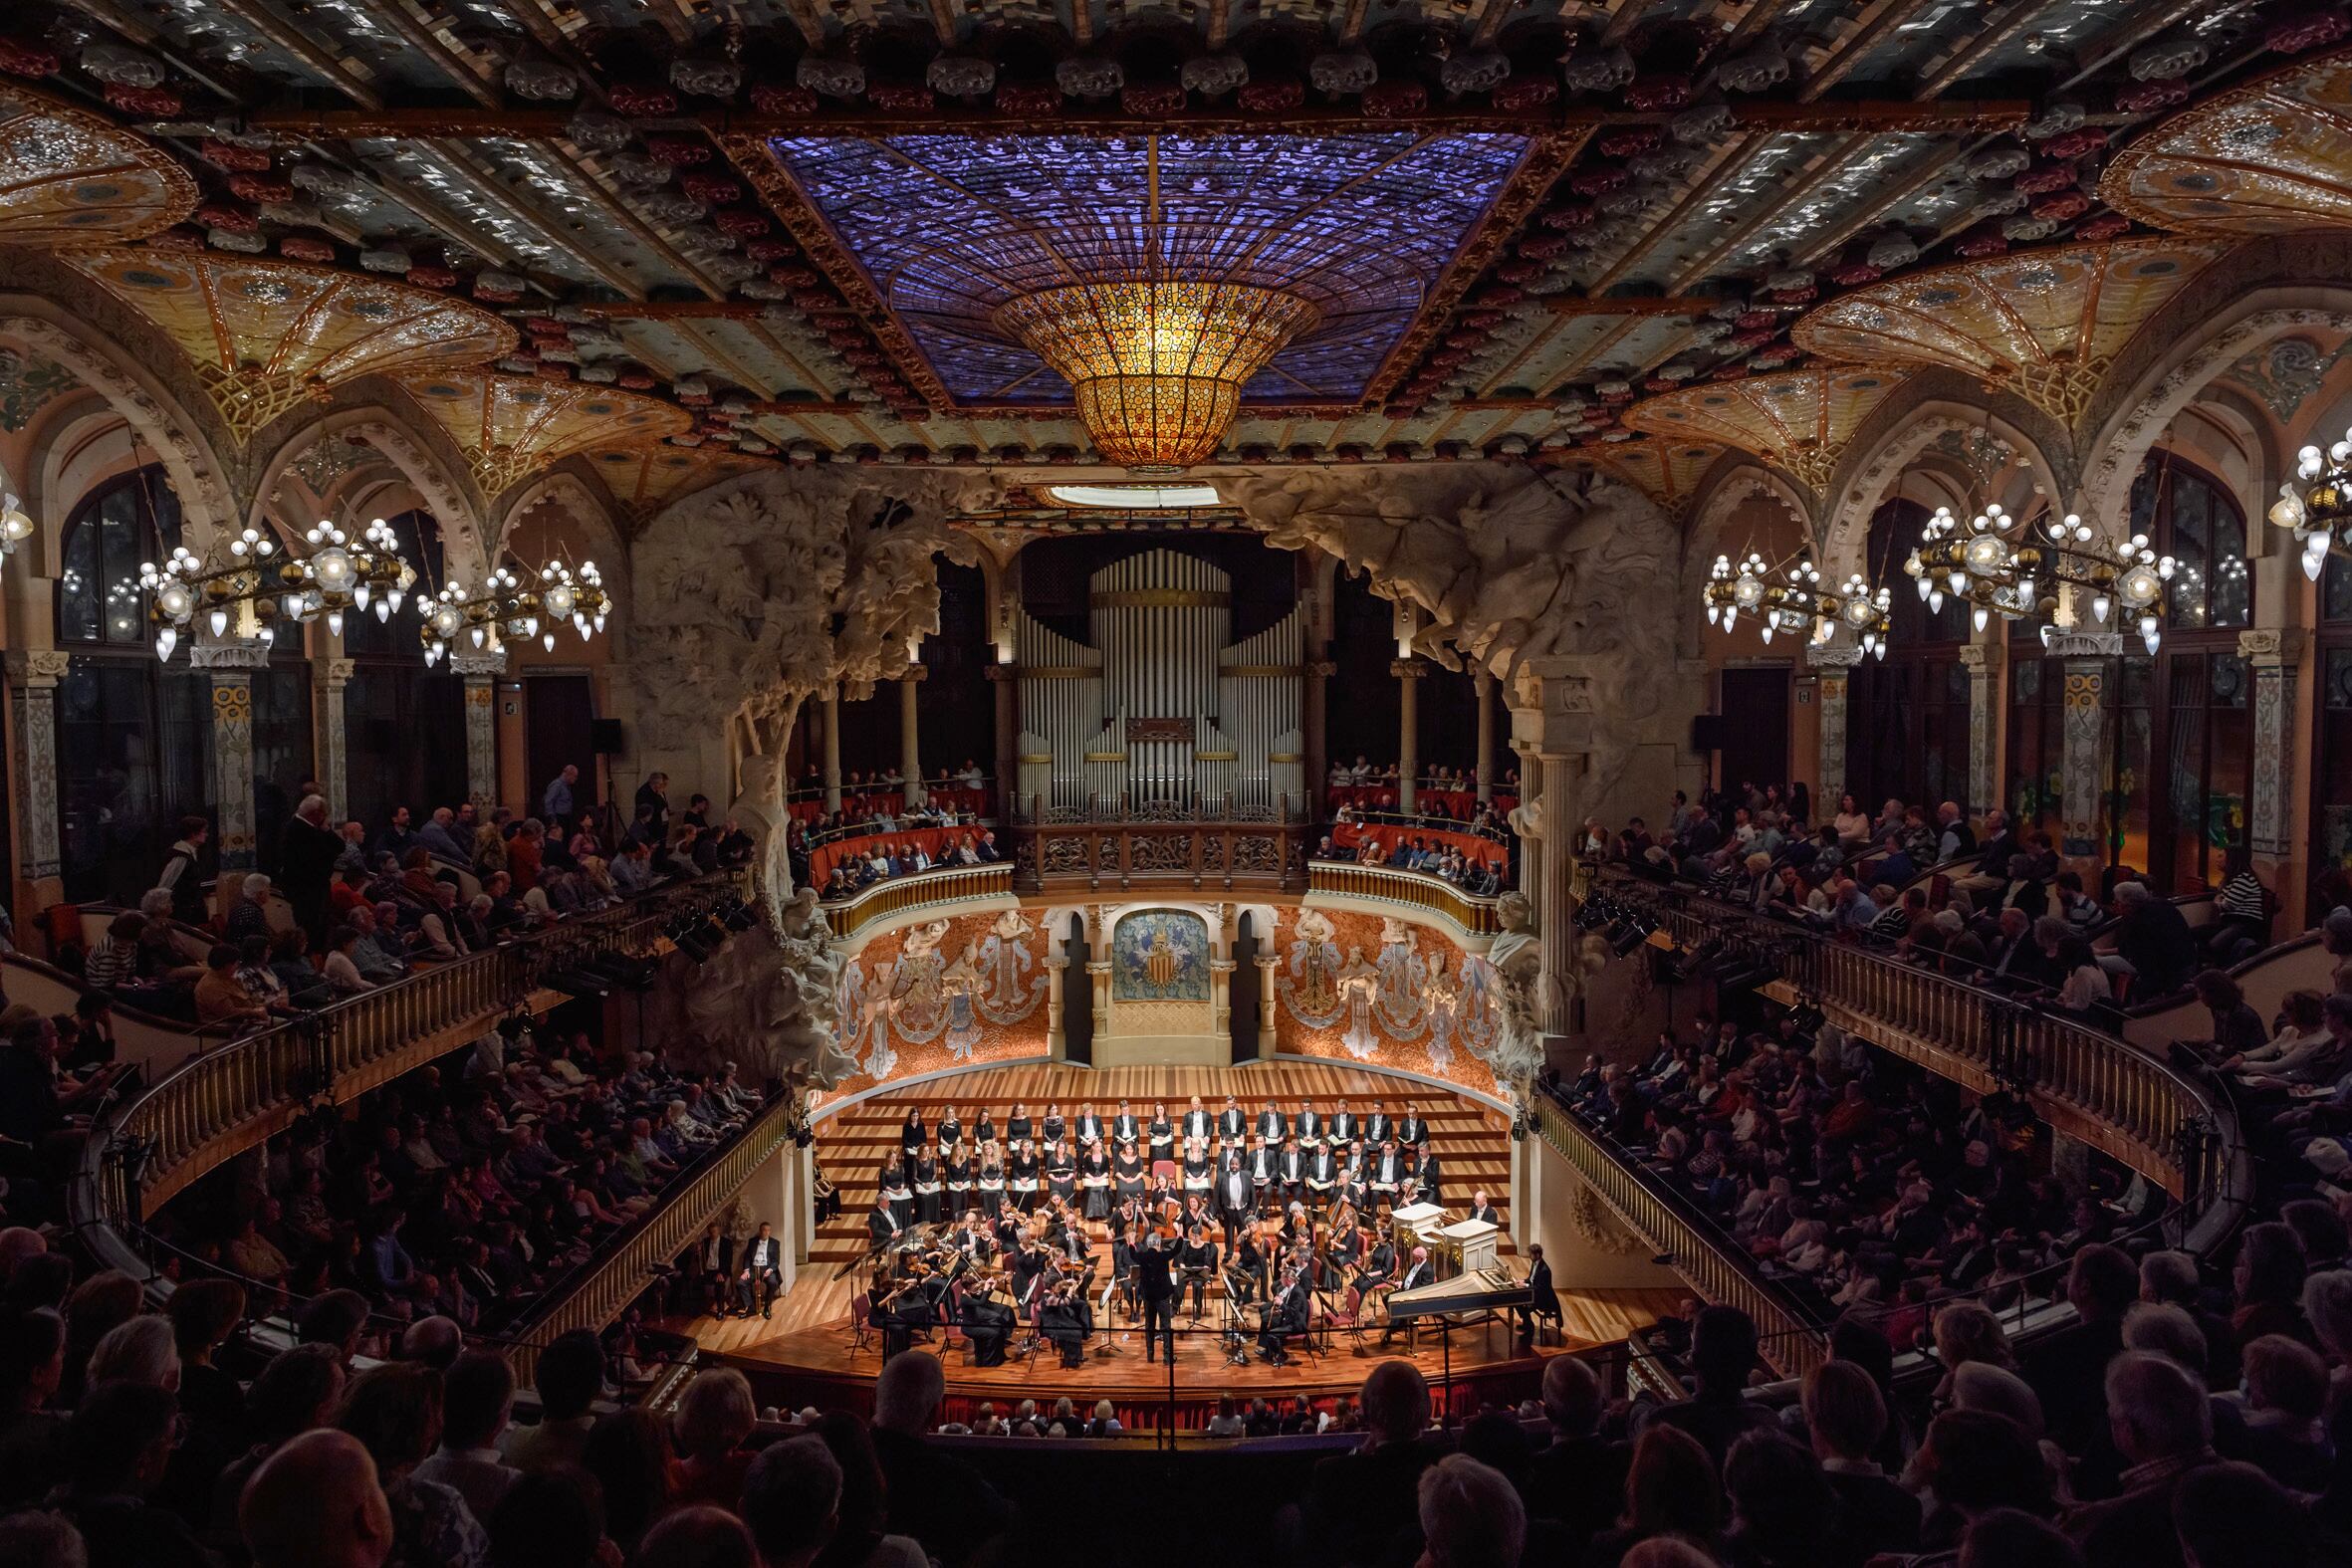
x,y
2273,158
1800,421
70,178
511,425
645,476
950,227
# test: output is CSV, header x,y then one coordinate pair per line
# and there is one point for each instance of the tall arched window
x,y
403,725
1907,716
133,736
2331,772
2185,719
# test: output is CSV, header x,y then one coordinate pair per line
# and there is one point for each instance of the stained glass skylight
x,y
951,227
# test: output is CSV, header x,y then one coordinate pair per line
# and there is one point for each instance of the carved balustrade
x,y
1094,855
941,885
1412,890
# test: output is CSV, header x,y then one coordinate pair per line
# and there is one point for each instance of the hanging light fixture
x,y
1157,364
16,524
2316,505
1793,601
2016,568
258,585
517,606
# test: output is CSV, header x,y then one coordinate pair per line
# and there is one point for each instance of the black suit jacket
x,y
1363,1508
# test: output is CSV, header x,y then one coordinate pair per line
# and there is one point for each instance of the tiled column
x,y
2274,652
1310,719
33,674
1057,1039
481,668
1982,661
910,734
1267,965
1409,674
333,754
1833,664
230,663
2088,736
1555,907
833,749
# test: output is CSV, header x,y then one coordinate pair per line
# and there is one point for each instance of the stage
x,y
807,1353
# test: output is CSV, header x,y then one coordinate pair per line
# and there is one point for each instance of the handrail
x,y
598,1292
917,890
1720,1273
2092,1085
215,1103
1412,889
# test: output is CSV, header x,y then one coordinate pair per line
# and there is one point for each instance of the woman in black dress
x,y
984,1129
1094,1179
1061,1172
992,1180
928,1188
1054,1128
1021,1175
911,1137
955,1170
1018,1127
951,1134
1196,1170
895,1191
1127,1174
1163,1135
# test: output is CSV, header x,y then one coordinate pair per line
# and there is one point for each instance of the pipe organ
x,y
1163,711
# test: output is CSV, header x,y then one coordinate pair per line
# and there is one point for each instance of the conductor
x,y
1156,1284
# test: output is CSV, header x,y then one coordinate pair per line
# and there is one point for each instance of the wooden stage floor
x,y
806,1349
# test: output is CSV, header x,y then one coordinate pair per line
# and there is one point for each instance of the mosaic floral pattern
x,y
2273,158
28,384
513,426
645,477
1359,224
70,178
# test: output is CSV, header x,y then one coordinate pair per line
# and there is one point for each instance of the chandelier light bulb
x,y
166,640
394,597
2099,603
547,641
1980,617
267,635
2308,463
334,621
177,602
478,637
383,609
1935,600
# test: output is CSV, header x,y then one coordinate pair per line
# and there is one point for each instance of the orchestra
x,y
987,1235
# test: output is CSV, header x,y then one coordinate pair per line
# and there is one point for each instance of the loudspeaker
x,y
1707,732
605,737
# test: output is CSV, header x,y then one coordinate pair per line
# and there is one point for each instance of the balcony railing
x,y
1094,855
1715,1269
2088,1084
228,1099
600,1289
1416,890
920,890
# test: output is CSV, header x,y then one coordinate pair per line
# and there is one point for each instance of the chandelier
x,y
2001,564
16,524
1790,598
512,607
259,585
2316,505
1157,364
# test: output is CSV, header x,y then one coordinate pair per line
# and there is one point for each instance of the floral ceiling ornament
x,y
513,426
2272,157
67,178
28,384
1798,420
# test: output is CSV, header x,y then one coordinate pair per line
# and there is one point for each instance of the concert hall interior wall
x,y
1376,991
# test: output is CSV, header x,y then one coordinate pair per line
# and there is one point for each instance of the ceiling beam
x,y
1629,305
1954,116
313,54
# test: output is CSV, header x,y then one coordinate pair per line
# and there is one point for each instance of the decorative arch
x,y
1893,439
585,496
138,398
2138,411
407,450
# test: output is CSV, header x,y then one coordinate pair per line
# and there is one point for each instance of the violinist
x,y
1379,1270
1344,1252
1061,1318
1285,1316
974,1239
1245,1266
988,1323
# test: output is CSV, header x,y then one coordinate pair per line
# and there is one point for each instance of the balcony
x,y
1402,891
937,887
1137,852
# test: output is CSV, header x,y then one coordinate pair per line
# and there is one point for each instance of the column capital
x,y
208,652
36,666
1980,656
2084,645
915,672
1842,655
1322,669
478,661
2271,645
338,672
1408,669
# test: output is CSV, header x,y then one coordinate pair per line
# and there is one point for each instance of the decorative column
x,y
1481,680
333,754
1312,691
2274,652
1057,1039
1983,663
1269,965
1526,820
481,668
1833,663
833,749
230,663
1556,901
1221,997
910,739
2088,738
1006,678
1409,673
1098,978
33,674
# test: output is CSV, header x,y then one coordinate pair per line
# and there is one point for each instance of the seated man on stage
x,y
762,1275
1419,1273
1544,1301
882,1226
1322,1174
1285,1315
988,1323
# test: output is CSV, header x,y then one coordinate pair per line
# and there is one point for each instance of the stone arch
x,y
1726,489
137,396
407,450
587,497
2181,366
1889,443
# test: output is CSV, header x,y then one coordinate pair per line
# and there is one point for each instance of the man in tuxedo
x,y
1231,1124
1196,1123
1236,1197
1310,1126
1155,1269
704,1269
882,1226
1388,1175
1124,1128
1417,1274
1344,1128
1412,1132
1285,1315
1543,1300
763,1272
1291,1172
1481,1207
1089,1127
1322,1174
1378,1129
1429,1183
1262,1167
1270,1124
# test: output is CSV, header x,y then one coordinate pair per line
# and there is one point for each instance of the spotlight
x,y
740,918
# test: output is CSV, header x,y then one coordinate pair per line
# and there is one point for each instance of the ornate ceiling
x,y
2272,157
1800,421
789,225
